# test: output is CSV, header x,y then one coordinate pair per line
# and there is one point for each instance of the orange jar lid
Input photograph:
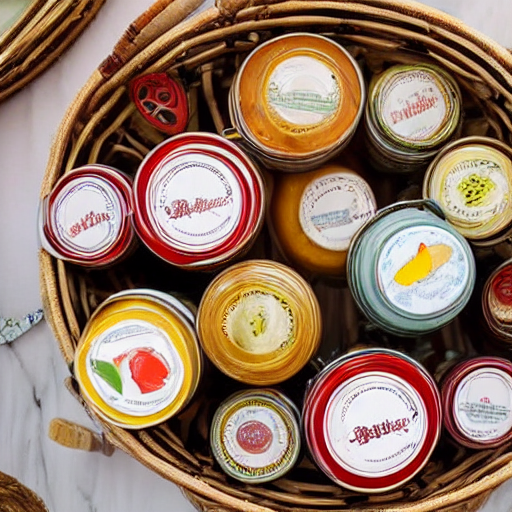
x,y
298,95
259,322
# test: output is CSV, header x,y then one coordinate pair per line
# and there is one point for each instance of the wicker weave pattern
x,y
102,126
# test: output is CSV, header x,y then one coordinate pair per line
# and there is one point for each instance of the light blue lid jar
x,y
409,271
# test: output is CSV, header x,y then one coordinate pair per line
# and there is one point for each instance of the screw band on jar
x,y
409,271
477,402
259,322
86,218
138,362
297,100
255,435
411,112
315,214
471,179
372,419
199,201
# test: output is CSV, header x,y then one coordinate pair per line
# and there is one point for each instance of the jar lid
x,y
333,207
138,361
410,271
162,102
372,419
198,200
309,91
86,217
415,106
255,435
259,322
477,401
471,179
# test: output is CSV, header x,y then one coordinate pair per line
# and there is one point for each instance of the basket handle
x,y
72,435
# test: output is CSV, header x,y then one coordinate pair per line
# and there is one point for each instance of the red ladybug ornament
x,y
162,102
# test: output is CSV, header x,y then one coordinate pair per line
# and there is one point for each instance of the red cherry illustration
x,y
254,437
148,368
502,286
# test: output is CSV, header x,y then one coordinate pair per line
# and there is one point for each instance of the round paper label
x,y
483,404
413,105
303,91
375,425
259,322
195,201
257,438
334,207
87,215
135,368
423,270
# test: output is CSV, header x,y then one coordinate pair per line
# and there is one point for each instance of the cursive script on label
x,y
182,208
363,435
422,104
88,221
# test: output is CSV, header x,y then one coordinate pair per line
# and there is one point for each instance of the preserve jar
x,y
371,419
412,111
199,201
409,271
296,101
477,402
255,435
471,179
138,361
259,322
86,218
315,214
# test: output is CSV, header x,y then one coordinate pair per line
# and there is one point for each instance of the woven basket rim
x,y
231,10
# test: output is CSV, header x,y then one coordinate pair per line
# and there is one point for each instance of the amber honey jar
x,y
259,322
296,101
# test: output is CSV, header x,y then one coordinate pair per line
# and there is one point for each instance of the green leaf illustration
x,y
109,373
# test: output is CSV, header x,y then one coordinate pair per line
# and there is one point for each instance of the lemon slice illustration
x,y
426,261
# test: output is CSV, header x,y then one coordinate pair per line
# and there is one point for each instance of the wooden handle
x,y
78,437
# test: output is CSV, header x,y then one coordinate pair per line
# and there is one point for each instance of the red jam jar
x,y
86,218
372,419
199,201
477,402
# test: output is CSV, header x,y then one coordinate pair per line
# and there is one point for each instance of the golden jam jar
x,y
138,361
86,218
255,435
259,322
471,179
296,101
315,214
477,402
412,111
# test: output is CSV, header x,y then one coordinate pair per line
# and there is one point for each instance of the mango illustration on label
x,y
148,370
426,261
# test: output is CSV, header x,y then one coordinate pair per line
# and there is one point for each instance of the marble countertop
x,y
32,370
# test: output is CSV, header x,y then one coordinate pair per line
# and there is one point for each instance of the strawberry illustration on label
x,y
148,369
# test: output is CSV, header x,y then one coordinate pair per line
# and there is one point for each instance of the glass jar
x,y
138,361
371,419
409,271
259,322
296,101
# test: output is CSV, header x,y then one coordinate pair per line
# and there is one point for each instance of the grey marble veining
x,y
32,370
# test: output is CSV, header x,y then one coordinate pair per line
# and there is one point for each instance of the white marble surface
x,y
32,370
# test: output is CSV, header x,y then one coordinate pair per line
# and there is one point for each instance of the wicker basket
x,y
44,31
15,497
103,126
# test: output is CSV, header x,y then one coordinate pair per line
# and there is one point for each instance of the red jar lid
x,y
372,419
477,402
199,200
86,217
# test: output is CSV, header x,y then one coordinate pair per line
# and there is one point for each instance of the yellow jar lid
x,y
299,94
138,361
471,179
259,322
